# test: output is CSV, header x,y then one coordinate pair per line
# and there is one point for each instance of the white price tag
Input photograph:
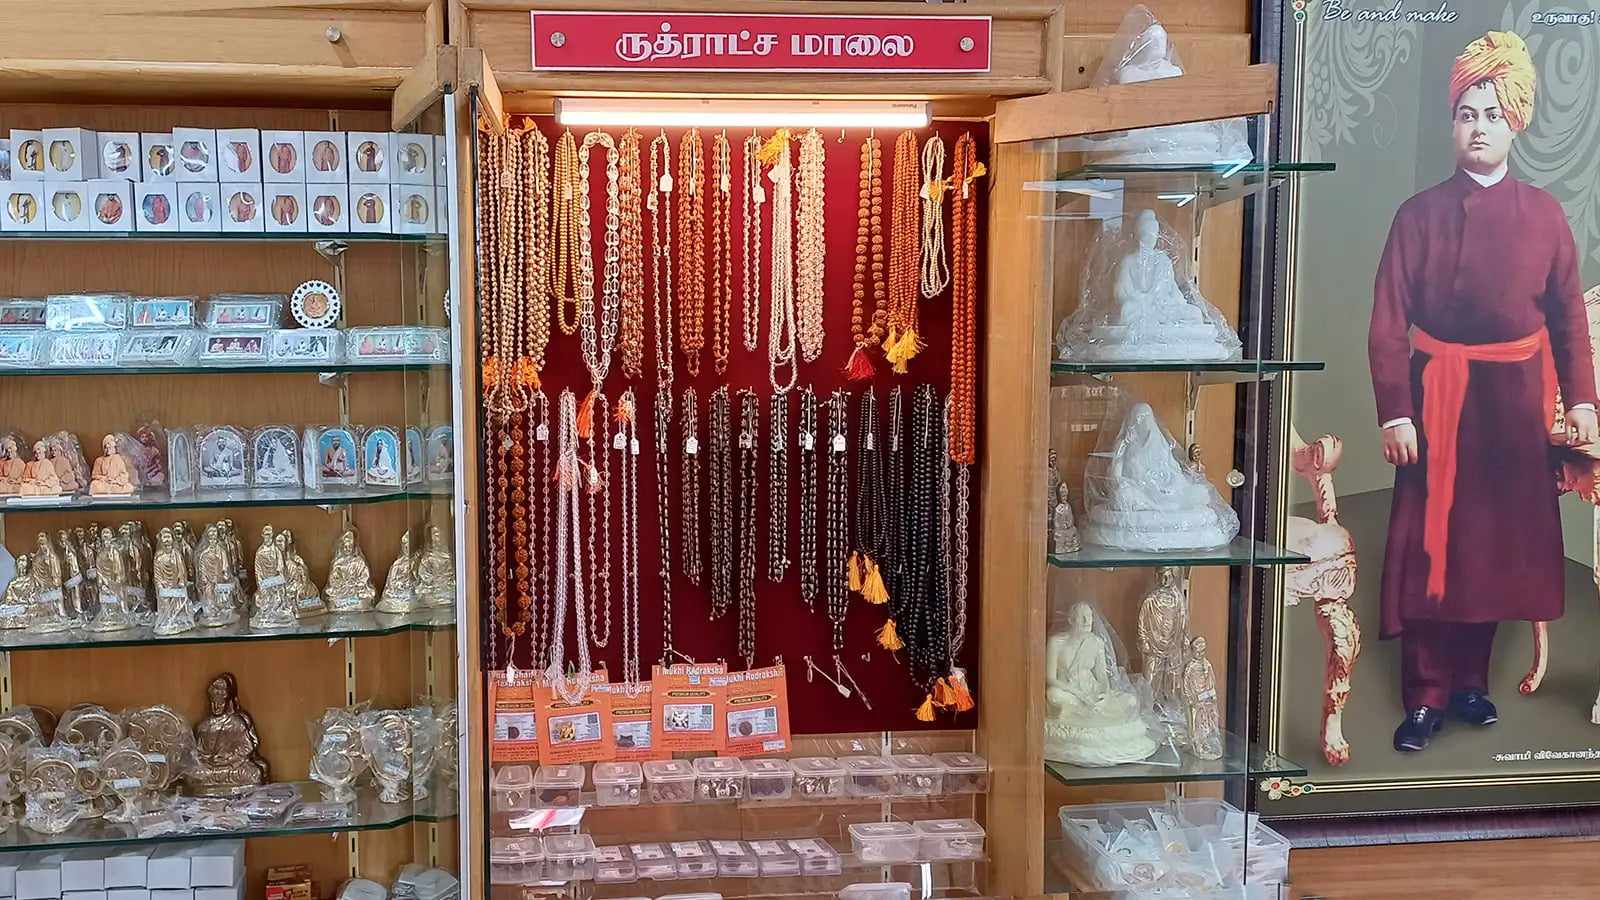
x,y
619,442
12,610
924,192
867,441
666,184
760,194
73,582
691,446
173,593
838,443
725,185
808,441
274,581
542,433
566,191
125,784
633,446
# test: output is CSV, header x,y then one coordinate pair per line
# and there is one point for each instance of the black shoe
x,y
1474,708
1419,726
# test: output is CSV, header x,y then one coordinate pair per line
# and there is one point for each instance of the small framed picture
x,y
163,347
381,456
84,349
416,456
222,457
245,311
441,454
234,348
19,348
337,460
180,460
22,313
162,312
306,346
86,312
274,457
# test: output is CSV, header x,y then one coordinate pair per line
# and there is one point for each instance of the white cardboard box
x,y
371,157
327,157
172,894
155,206
235,892
66,206
128,893
283,156
217,864
327,208
39,877
169,869
199,207
8,875
197,153
83,870
238,154
242,208
23,209
413,158
27,155
128,869
110,204
119,154
71,154
411,210
158,158
83,895
369,208
285,208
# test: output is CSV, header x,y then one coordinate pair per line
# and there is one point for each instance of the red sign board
x,y
737,42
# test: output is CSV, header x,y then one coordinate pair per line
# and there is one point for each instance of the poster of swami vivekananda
x,y
1442,649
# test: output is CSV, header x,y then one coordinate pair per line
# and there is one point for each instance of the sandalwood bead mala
x,y
964,301
691,273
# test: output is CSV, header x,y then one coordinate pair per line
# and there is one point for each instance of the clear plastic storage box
x,y
817,777
669,780
516,860
816,857
876,890
1188,843
964,773
617,783
775,859
918,774
719,777
558,786
868,776
614,865
694,859
735,859
512,789
884,842
769,779
568,857
944,839
653,861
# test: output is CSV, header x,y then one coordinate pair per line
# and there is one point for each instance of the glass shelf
x,y
1240,552
367,815
1217,372
318,369
1240,759
221,499
224,237
1177,183
329,626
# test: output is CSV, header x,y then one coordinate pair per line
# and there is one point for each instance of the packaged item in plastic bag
x,y
245,311
87,312
159,347
386,741
337,754
21,348
52,801
1141,494
1095,714
1138,303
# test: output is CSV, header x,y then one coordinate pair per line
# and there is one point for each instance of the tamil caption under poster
x,y
1439,651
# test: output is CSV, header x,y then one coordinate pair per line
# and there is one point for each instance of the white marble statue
x,y
1145,499
1149,316
1092,716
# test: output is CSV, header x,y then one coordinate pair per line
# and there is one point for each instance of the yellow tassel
x,y
855,572
872,589
890,341
958,689
908,347
774,147
925,711
887,638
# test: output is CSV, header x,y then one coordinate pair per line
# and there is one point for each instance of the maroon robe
x,y
1480,265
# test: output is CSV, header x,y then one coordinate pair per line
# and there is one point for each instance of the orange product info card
x,y
577,730
757,717
687,707
633,722
514,703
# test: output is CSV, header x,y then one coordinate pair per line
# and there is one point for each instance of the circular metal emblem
x,y
316,304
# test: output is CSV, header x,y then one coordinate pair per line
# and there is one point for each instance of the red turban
x,y
1502,58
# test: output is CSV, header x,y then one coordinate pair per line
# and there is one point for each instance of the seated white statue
x,y
1090,719
1147,500
1150,317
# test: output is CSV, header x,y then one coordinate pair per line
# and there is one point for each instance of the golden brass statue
x,y
350,587
229,748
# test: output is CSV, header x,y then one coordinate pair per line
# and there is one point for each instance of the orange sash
x,y
1444,391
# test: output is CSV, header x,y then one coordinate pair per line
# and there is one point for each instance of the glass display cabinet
x,y
260,643
1136,314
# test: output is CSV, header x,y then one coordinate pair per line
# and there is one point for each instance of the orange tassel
x,y
491,370
958,689
859,368
888,639
872,589
942,695
527,374
586,416
855,572
925,711
624,411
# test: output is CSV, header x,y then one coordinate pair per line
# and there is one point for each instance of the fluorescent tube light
x,y
687,112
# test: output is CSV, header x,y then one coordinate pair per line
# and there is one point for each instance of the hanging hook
x,y
841,134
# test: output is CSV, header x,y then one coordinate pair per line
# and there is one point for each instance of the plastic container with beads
x,y
769,779
918,775
869,776
653,861
669,781
817,777
613,864
964,773
558,786
617,783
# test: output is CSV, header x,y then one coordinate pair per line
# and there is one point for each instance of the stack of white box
x,y
236,180
210,871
